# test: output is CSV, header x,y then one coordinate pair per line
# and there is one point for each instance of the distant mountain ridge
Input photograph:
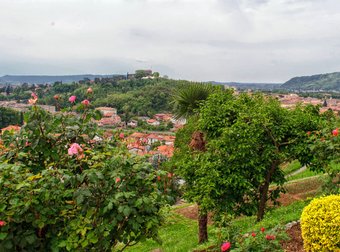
x,y
328,81
41,79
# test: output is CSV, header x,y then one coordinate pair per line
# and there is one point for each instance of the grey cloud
x,y
230,40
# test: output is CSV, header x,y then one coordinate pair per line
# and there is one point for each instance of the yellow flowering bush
x,y
320,224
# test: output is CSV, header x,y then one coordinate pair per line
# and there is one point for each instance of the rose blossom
x,y
85,102
117,180
72,98
2,223
34,96
89,90
75,149
225,246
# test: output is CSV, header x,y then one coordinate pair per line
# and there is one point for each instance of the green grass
x,y
291,167
305,174
179,234
278,216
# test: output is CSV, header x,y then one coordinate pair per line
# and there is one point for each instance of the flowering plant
x,y
256,241
61,190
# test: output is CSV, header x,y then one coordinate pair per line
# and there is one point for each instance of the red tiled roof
x,y
138,135
11,127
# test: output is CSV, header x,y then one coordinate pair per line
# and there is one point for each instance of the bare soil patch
x,y
295,244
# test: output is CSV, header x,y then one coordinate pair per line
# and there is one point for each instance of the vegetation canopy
x,y
65,188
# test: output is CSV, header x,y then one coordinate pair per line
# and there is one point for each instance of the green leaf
x,y
127,211
31,238
3,236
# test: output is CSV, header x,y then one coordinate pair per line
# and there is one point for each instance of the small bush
x,y
320,224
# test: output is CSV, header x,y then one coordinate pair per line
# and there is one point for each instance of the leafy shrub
x,y
62,190
261,241
320,224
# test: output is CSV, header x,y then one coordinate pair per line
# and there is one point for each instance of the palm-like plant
x,y
187,98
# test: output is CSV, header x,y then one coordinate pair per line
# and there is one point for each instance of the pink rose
x,y
75,149
121,135
34,96
85,102
117,180
72,99
89,90
2,223
34,99
335,132
225,246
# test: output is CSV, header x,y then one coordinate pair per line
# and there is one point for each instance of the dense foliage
x,y
135,97
248,137
10,117
65,188
320,224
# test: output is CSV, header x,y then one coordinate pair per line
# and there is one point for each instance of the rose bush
x,y
256,241
63,191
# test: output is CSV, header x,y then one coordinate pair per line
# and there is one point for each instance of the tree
x,y
247,138
155,74
142,73
325,146
8,90
186,100
9,117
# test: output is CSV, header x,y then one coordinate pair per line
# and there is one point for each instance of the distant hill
x,y
41,79
259,86
328,81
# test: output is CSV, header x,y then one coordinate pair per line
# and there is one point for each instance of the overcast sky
x,y
222,40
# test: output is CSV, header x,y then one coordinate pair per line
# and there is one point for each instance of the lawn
x,y
179,234
305,174
291,167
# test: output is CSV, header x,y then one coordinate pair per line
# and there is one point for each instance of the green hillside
x,y
329,81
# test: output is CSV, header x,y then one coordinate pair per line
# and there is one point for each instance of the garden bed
x,y
295,243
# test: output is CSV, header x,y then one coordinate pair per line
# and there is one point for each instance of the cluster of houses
x,y
290,100
145,143
109,117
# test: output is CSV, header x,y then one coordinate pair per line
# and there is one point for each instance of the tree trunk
x,y
264,191
198,143
202,226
